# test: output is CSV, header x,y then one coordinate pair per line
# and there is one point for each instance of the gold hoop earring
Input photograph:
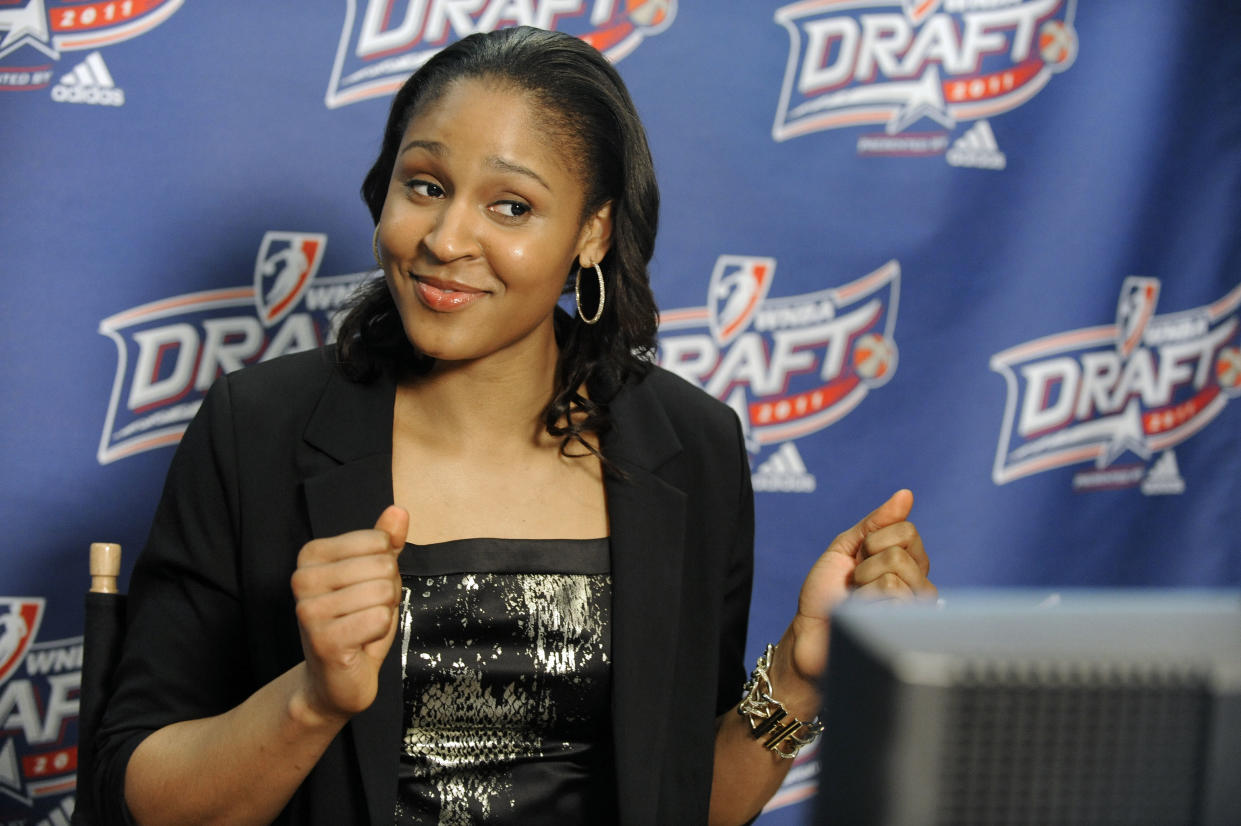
x,y
577,294
375,248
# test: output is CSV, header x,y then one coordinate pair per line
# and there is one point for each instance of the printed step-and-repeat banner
x,y
984,249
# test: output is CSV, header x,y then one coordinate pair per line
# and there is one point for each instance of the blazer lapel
x,y
348,483
647,523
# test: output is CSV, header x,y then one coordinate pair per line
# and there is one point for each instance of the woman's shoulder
x,y
673,389
282,392
683,402
286,373
265,408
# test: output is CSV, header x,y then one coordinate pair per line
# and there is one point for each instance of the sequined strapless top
x,y
506,662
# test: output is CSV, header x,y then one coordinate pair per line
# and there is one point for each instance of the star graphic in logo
x,y
1127,435
26,27
924,99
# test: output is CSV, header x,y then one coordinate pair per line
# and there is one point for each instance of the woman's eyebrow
x,y
439,150
501,164
434,147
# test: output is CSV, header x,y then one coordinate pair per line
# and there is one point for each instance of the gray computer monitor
x,y
1015,707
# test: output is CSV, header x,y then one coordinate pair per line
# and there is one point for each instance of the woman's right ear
x,y
596,236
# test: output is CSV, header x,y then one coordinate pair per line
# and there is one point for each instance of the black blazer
x,y
289,450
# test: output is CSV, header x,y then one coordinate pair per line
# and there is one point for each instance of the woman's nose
x,y
453,235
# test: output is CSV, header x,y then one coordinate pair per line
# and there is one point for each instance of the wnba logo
x,y
738,286
19,625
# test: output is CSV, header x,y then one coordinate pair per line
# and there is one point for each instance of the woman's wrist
x,y
303,710
796,690
783,719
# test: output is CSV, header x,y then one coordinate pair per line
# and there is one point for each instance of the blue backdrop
x,y
984,249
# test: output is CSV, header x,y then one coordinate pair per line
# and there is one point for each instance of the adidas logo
x,y
89,82
977,148
783,472
1164,477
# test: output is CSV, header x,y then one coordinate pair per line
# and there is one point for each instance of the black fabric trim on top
x,y
507,556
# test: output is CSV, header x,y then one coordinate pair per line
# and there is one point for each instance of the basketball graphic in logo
x,y
1228,369
874,358
1057,43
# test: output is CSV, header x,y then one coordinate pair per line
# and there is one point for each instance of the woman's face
x,y
481,225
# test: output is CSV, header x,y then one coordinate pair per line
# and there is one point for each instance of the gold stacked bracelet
x,y
786,735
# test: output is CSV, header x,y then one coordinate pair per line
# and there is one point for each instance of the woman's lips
x,y
445,296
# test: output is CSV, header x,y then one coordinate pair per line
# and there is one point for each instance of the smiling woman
x,y
482,561
484,216
571,113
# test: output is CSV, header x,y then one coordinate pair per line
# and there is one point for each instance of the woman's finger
x,y
896,561
895,510
902,534
313,580
347,545
887,586
339,641
351,599
388,536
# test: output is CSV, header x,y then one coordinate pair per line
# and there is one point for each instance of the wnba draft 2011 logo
x,y
171,350
383,42
789,366
1135,388
37,32
39,684
904,63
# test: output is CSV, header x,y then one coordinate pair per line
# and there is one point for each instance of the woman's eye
x,y
424,188
511,209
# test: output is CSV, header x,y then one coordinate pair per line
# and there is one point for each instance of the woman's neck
x,y
471,456
488,404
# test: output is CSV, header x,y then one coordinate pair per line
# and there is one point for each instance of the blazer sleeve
x,y
184,653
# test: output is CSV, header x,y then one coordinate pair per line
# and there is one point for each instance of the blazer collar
x,y
642,436
348,482
352,420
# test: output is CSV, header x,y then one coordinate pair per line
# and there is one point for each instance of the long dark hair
x,y
585,105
